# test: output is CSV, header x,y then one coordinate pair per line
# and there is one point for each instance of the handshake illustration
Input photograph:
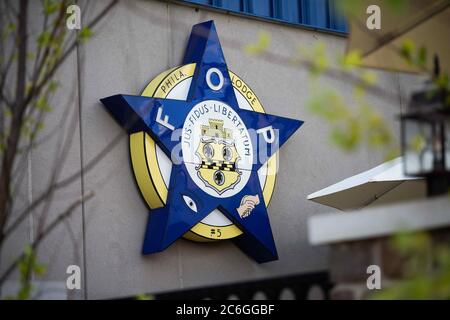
x,y
248,203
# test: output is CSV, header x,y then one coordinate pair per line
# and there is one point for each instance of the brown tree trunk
x,y
17,117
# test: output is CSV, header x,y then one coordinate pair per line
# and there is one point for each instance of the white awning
x,y
383,184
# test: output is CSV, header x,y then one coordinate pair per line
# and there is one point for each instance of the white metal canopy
x,y
383,184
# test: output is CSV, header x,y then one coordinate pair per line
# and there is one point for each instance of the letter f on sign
x,y
165,121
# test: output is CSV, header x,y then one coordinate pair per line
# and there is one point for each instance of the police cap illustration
x,y
203,152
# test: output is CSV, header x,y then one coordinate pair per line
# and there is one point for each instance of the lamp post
x,y
426,140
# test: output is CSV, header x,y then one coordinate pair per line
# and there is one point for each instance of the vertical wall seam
x,y
169,65
30,194
80,129
170,38
30,198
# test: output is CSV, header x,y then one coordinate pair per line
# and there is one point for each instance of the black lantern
x,y
426,140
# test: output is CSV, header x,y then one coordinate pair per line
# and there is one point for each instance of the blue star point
x,y
160,117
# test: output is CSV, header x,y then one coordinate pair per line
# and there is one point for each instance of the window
x,y
318,14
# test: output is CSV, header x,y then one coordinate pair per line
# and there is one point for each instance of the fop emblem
x,y
219,157
196,135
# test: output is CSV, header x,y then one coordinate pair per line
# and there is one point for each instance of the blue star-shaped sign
x,y
216,162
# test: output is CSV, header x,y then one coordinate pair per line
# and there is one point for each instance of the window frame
x,y
241,13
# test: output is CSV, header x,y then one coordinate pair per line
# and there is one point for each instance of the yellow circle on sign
x,y
147,164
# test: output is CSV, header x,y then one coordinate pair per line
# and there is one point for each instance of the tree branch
x,y
45,232
21,104
17,116
59,185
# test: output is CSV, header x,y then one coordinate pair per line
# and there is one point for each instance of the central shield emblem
x,y
219,157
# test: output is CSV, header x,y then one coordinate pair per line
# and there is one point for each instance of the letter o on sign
x,y
209,82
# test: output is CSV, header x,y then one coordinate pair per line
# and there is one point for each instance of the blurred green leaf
x,y
407,49
84,34
328,105
351,7
43,39
417,143
53,86
260,46
411,242
397,7
442,81
351,60
320,60
11,26
51,6
42,104
369,78
28,265
422,57
346,136
428,267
